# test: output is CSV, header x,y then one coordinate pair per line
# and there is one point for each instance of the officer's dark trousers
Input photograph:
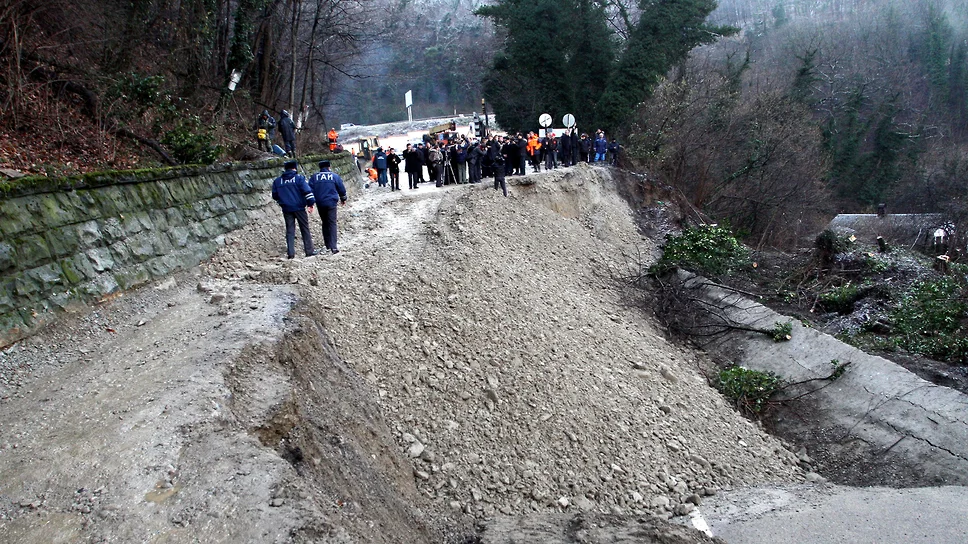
x,y
303,219
328,216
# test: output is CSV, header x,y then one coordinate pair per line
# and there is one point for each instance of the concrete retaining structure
x,y
904,420
76,240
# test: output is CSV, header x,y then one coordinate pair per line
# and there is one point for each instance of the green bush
x,y
829,244
708,249
190,143
782,332
928,320
749,390
840,299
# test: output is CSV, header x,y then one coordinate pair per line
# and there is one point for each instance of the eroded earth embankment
x,y
466,357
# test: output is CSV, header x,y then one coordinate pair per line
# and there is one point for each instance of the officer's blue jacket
x,y
328,188
292,192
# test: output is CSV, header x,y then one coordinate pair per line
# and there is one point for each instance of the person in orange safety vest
x,y
534,150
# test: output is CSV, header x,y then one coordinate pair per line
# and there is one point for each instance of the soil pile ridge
x,y
507,364
465,358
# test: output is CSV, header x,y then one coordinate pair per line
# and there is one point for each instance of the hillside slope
x,y
466,356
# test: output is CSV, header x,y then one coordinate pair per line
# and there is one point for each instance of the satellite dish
x,y
545,120
568,120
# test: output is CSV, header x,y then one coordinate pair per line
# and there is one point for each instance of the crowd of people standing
x,y
461,159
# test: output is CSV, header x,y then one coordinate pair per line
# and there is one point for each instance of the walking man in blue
x,y
295,197
329,190
380,163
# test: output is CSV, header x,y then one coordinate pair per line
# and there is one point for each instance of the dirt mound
x,y
513,374
465,357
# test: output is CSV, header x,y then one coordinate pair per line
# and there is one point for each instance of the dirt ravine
x,y
466,361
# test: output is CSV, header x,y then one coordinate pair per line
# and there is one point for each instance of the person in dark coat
x,y
521,165
412,165
424,160
287,129
550,147
585,145
462,148
495,153
613,148
564,151
475,160
393,167
294,195
513,154
435,163
328,190
575,146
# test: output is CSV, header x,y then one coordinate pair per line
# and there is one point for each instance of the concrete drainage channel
x,y
878,425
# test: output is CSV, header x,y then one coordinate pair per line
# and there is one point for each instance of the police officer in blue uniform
x,y
295,197
328,189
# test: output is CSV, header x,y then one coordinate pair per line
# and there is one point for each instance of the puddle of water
x,y
160,494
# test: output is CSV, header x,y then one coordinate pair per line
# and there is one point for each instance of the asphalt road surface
x,y
827,514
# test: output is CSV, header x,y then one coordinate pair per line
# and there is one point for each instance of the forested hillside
x,y
771,114
816,108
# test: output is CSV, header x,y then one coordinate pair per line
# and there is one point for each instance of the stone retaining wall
x,y
76,240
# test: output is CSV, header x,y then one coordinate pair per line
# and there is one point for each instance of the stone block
x,y
132,276
47,277
180,260
204,250
158,267
208,186
63,241
112,229
101,258
120,253
71,203
180,236
228,222
141,246
25,288
103,285
62,299
89,233
8,257
77,270
12,327
8,300
162,243
32,250
159,219
182,190
218,205
14,217
212,227
84,203
133,200
110,200
175,216
38,312
134,222
154,194
200,210
199,231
